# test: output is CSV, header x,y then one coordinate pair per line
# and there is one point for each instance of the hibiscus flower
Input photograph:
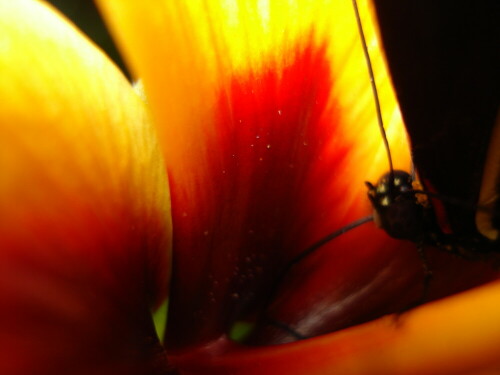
x,y
262,115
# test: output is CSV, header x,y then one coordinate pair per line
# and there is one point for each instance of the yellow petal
x,y
85,221
186,52
192,56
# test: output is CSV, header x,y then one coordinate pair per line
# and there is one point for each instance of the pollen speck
x,y
235,295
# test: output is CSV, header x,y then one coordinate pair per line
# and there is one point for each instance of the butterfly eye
x,y
381,188
385,201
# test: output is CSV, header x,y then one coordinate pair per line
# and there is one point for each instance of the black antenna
x,y
318,244
315,246
375,92
284,271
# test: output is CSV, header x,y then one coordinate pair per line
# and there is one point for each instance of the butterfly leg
x,y
284,327
427,273
426,282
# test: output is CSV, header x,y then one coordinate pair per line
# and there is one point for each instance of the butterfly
x,y
457,208
400,209
450,102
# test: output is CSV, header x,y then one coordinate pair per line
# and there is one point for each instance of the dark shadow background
x,y
85,15
444,58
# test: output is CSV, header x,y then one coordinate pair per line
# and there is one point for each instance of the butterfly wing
x,y
444,61
487,220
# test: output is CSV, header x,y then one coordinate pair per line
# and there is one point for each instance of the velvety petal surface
x,y
444,337
85,221
269,132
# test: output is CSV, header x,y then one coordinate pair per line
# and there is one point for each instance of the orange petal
x,y
446,337
85,222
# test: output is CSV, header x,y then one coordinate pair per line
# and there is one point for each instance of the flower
x,y
264,130
85,224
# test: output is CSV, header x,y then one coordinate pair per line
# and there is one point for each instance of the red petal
x,y
282,174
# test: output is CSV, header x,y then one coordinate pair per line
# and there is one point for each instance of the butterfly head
x,y
396,207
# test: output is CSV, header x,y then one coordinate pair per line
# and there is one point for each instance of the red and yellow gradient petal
x,y
269,131
85,224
